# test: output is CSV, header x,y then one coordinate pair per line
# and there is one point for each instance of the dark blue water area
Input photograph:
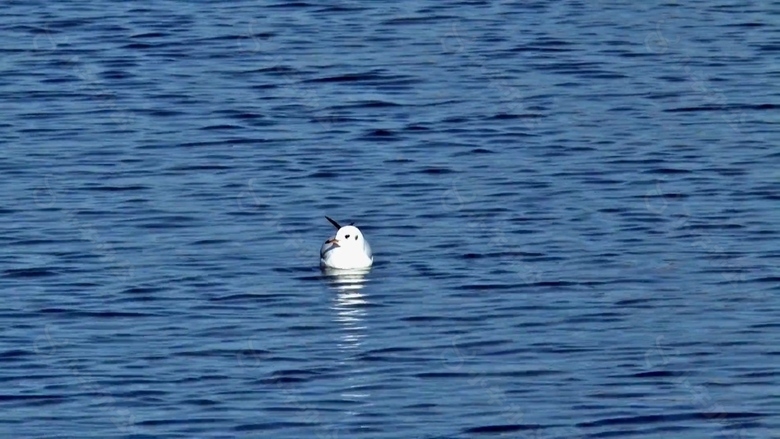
x,y
573,208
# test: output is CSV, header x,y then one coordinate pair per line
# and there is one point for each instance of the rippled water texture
x,y
573,208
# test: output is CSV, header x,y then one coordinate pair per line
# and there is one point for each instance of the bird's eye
x,y
347,236
356,237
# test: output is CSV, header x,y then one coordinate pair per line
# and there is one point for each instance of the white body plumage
x,y
347,250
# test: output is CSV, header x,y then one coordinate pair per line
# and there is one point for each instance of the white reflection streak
x,y
349,304
350,315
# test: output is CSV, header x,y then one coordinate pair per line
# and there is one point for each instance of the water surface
x,y
573,208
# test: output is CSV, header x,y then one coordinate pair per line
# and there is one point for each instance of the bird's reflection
x,y
349,303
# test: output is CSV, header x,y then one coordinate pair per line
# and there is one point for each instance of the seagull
x,y
347,250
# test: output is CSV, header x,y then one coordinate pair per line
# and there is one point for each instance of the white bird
x,y
347,250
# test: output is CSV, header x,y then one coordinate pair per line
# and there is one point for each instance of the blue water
x,y
573,208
